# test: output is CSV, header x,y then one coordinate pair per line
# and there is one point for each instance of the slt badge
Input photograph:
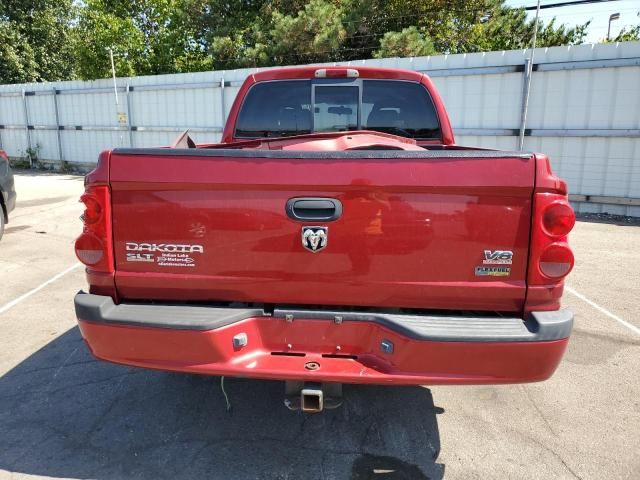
x,y
314,239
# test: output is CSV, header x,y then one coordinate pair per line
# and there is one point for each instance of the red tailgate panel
x,y
411,233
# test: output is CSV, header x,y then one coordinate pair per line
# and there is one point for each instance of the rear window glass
x,y
335,108
401,108
284,108
276,109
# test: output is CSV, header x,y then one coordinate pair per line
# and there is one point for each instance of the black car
x,y
7,191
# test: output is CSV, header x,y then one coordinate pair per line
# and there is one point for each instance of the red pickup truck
x,y
337,234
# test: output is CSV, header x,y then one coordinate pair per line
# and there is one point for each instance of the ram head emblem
x,y
314,239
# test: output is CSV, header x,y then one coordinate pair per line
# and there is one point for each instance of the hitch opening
x,y
311,400
311,397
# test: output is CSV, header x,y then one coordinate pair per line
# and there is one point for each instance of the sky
x,y
598,13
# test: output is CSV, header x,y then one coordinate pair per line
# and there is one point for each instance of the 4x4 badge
x,y
314,239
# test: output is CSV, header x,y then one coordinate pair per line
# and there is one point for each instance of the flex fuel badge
x,y
493,271
163,254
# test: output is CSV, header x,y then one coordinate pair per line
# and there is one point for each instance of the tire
x,y
1,222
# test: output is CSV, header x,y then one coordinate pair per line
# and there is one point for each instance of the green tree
x,y
231,33
36,40
147,37
59,39
97,32
277,33
551,36
290,31
461,26
315,34
626,35
17,59
410,42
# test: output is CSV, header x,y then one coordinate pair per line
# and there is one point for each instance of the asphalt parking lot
x,y
65,415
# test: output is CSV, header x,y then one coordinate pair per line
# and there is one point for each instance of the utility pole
x,y
113,73
527,87
123,117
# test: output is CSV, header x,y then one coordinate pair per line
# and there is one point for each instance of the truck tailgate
x,y
431,230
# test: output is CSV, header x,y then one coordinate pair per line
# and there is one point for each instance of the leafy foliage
x,y
410,42
310,36
147,37
63,39
17,58
626,35
35,40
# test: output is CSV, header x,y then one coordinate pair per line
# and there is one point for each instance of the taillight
x,y
93,247
89,249
551,259
92,208
558,218
556,260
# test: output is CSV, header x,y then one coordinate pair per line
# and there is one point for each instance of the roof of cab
x,y
289,73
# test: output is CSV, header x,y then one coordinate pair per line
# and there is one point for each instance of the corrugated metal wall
x,y
584,112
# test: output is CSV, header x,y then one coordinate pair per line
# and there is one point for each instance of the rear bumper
x,y
348,347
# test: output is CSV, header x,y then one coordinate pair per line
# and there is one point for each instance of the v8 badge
x,y
497,257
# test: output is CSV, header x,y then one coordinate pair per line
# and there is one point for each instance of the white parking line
x,y
13,303
631,327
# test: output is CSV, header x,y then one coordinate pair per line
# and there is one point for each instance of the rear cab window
x,y
295,107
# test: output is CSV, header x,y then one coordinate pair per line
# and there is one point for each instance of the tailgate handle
x,y
312,209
